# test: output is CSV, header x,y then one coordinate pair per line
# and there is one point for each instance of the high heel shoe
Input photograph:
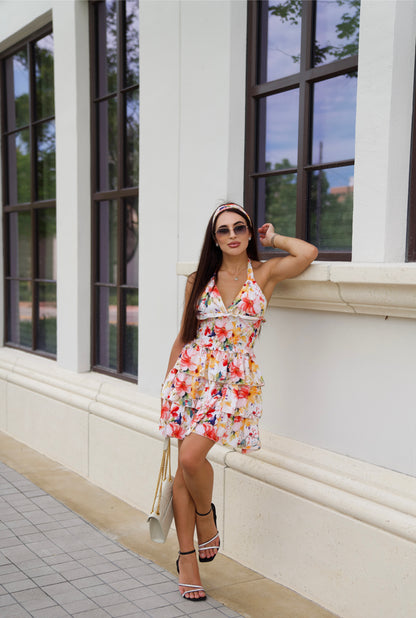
x,y
207,544
193,587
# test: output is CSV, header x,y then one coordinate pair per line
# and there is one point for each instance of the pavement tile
x,y
15,611
17,586
164,587
127,609
50,578
96,591
110,599
6,599
55,611
152,602
166,612
82,605
34,599
87,582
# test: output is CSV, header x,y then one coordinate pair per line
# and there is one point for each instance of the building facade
x,y
101,224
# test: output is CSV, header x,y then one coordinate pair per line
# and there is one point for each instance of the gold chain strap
x,y
165,468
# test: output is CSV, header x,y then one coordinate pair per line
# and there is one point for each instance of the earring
x,y
249,238
216,244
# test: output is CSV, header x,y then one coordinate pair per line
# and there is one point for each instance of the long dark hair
x,y
209,262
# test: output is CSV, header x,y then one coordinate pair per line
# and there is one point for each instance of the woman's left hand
x,y
266,232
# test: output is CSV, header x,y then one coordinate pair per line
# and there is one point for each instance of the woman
x,y
212,389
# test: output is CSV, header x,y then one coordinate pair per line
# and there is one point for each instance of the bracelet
x,y
272,240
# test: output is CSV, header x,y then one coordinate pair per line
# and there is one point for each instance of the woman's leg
x,y
184,510
198,477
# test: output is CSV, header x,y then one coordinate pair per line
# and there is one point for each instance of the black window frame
x,y
34,205
304,80
411,217
118,195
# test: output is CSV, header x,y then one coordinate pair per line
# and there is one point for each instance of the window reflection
x,y
45,160
282,116
132,43
17,95
107,144
46,328
19,167
20,242
19,325
46,227
280,200
107,327
280,34
131,239
334,119
331,195
336,30
132,138
107,241
131,301
44,86
107,47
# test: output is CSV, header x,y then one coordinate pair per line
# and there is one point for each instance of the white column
x,y
72,105
383,130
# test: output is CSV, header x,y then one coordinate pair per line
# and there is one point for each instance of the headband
x,y
230,206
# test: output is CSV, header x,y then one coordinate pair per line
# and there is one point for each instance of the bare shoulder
x,y
263,270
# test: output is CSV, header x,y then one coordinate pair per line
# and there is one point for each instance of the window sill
x,y
370,289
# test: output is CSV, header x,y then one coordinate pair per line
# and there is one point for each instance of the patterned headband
x,y
230,206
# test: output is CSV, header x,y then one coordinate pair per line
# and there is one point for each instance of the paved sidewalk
x,y
54,563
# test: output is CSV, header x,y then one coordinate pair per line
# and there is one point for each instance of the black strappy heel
x,y
193,587
206,545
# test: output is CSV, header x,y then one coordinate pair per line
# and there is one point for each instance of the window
x,y
29,215
115,172
300,129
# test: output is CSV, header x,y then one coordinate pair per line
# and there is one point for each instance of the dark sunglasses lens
x,y
240,229
223,231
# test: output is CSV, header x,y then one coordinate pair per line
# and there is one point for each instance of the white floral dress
x,y
214,389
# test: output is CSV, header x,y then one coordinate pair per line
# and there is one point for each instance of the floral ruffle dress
x,y
214,389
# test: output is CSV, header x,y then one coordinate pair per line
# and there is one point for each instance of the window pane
x,y
132,42
45,160
331,200
107,241
281,131
107,144
20,245
334,119
130,344
280,39
46,331
336,30
46,228
19,167
107,328
17,89
106,46
280,200
44,86
19,323
132,139
131,239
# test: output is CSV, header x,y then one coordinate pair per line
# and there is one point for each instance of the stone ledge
x,y
370,289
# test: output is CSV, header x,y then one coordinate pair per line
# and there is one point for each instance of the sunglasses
x,y
238,230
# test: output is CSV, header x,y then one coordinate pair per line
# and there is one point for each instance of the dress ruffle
x,y
214,389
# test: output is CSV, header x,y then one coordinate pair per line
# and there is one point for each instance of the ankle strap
x,y
204,514
185,553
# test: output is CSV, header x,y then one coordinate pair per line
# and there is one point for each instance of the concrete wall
x,y
332,495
